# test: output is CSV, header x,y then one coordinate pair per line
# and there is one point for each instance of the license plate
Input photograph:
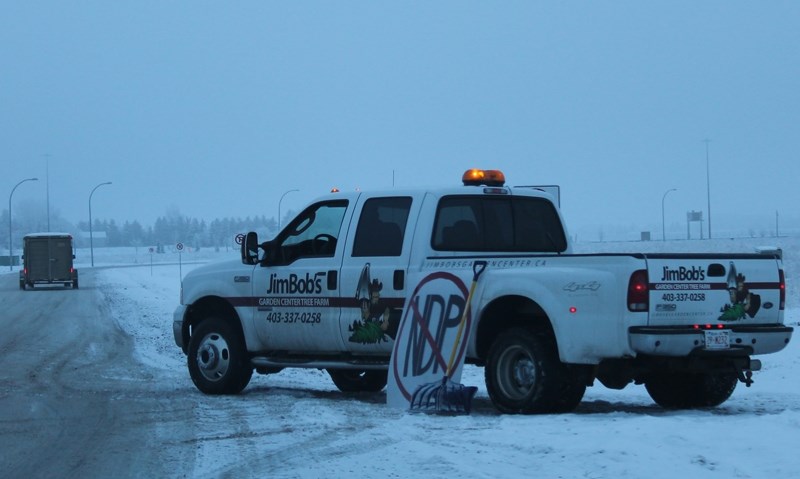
x,y
717,339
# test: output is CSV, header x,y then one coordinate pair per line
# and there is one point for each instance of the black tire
x,y
524,375
353,380
22,284
217,357
691,390
572,389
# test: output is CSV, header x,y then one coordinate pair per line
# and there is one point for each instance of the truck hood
x,y
218,267
228,278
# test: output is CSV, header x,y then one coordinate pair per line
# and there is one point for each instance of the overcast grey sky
x,y
217,108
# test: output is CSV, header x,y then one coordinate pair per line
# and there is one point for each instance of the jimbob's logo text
x,y
683,274
295,284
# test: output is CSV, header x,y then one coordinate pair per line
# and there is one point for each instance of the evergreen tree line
x,y
170,230
167,230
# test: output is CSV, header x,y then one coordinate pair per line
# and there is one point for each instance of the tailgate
x,y
729,290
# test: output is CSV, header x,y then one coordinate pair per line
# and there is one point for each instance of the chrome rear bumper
x,y
685,341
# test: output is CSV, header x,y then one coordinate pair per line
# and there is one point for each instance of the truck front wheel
x,y
350,381
217,358
691,390
523,374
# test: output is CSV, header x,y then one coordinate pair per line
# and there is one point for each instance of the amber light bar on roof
x,y
476,177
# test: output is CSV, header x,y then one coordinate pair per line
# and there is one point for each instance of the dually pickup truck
x,y
360,279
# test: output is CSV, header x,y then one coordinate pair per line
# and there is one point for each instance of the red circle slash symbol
x,y
428,327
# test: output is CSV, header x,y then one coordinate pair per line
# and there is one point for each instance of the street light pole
x,y
47,187
91,234
10,244
708,187
663,228
279,208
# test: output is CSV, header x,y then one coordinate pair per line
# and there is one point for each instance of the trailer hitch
x,y
746,374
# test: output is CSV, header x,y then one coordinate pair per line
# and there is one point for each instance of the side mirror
x,y
250,248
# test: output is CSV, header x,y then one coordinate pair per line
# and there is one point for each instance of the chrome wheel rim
x,y
516,373
213,357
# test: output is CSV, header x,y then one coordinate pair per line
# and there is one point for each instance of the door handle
x,y
398,279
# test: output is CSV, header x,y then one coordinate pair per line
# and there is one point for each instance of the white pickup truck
x,y
333,288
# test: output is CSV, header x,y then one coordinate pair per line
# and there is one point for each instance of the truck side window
x,y
459,220
313,233
494,223
499,224
537,226
382,226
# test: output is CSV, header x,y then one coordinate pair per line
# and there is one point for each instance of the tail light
x,y
638,291
782,280
708,326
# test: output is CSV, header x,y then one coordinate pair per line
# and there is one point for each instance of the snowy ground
x,y
296,424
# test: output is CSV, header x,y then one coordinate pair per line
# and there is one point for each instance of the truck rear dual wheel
x,y
217,357
352,380
525,376
691,390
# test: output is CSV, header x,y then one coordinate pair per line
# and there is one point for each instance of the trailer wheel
x,y
523,374
353,380
691,390
217,357
22,284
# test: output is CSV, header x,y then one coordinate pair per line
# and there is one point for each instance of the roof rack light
x,y
476,177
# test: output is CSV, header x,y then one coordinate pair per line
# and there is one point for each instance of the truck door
x,y
374,273
297,292
60,259
37,259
